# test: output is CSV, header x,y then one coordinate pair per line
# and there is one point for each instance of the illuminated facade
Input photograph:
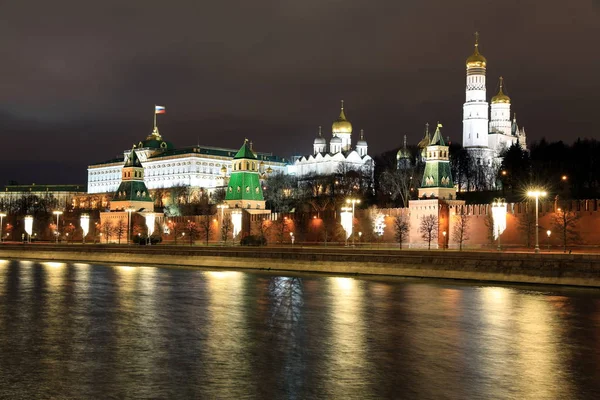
x,y
338,157
485,136
166,167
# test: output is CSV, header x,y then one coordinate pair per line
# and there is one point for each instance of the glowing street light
x,y
346,221
150,221
29,226
537,194
58,214
548,232
499,219
292,238
444,244
353,202
84,220
129,211
2,215
222,207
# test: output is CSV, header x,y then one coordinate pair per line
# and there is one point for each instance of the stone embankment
x,y
554,269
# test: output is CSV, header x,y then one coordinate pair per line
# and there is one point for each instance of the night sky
x,y
80,79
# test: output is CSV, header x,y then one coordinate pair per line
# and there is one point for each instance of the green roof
x,y
437,174
437,139
244,185
128,190
155,144
245,152
133,160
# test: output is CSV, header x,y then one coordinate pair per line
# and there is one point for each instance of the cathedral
x,y
487,130
338,157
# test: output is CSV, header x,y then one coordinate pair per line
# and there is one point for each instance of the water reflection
x,y
89,331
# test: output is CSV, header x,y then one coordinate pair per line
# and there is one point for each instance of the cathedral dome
x,y
500,97
320,139
341,124
476,60
336,140
362,142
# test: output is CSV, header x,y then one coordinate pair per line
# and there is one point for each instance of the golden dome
x,y
476,60
341,124
500,97
426,139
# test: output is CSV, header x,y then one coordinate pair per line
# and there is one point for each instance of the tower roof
x,y
133,160
362,141
500,97
437,139
403,153
476,60
320,139
341,124
426,139
245,152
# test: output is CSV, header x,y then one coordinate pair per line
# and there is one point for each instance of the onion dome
x,y
426,139
341,124
223,170
362,142
476,60
403,153
336,140
320,139
500,97
269,170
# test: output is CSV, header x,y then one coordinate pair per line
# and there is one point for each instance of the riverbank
x,y
550,269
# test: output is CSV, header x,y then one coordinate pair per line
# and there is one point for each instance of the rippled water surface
x,y
92,331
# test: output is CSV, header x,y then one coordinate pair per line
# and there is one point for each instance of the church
x,y
487,129
337,157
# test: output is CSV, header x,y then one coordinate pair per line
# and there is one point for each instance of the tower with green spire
x,y
132,192
437,176
244,189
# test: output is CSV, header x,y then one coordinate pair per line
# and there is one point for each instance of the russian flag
x,y
159,110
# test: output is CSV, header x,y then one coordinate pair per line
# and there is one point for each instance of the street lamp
x,y
58,214
548,232
537,194
346,221
29,226
359,238
353,202
222,207
444,244
85,225
150,222
2,215
292,238
499,219
129,211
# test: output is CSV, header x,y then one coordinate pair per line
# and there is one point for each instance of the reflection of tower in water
x,y
287,299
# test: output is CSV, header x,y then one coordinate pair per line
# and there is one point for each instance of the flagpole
x,y
155,117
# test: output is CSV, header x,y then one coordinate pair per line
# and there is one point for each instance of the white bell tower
x,y
475,109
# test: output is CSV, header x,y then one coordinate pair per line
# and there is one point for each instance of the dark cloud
x,y
83,77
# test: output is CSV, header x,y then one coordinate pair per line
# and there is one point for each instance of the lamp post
x,y
2,215
353,202
499,219
359,238
222,207
129,211
346,220
548,232
85,225
58,214
537,194
444,244
292,238
29,226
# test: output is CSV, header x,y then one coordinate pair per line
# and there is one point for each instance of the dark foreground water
x,y
90,331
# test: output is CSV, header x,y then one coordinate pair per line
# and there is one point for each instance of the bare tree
x,y
282,227
489,228
107,230
225,228
526,225
399,184
192,231
402,227
564,222
120,229
461,228
205,227
429,228
262,228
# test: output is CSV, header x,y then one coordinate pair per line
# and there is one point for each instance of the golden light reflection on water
x,y
538,342
348,336
227,330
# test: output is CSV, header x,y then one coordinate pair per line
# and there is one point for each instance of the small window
x,y
239,189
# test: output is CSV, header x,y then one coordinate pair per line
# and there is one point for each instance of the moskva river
x,y
93,331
